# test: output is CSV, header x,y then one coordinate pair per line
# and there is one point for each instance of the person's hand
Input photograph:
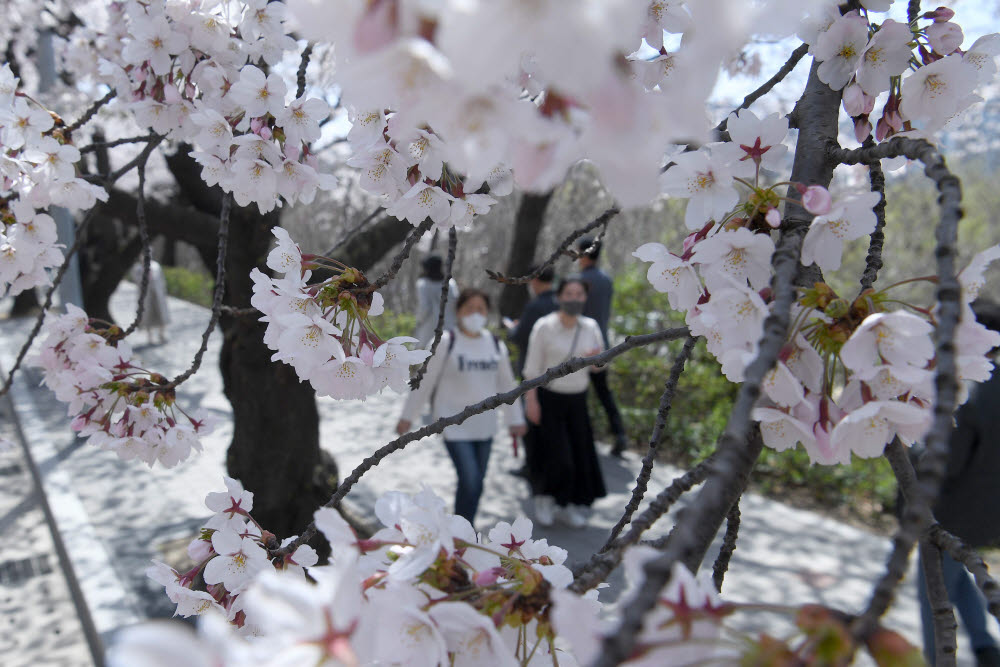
x,y
518,431
533,412
403,426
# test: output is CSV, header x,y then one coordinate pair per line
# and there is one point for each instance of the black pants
x,y
600,383
562,458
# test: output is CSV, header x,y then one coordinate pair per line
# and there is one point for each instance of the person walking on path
x,y
429,300
470,364
965,506
568,474
156,311
599,308
542,303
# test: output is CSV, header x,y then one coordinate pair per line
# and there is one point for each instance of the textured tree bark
x,y
527,226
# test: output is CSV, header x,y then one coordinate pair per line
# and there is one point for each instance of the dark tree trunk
x,y
108,253
275,449
528,225
25,304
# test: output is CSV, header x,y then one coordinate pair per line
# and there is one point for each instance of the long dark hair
x,y
433,267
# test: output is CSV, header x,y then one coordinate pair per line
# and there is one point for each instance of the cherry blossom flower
x,y
735,257
258,93
840,48
671,274
887,54
982,56
471,637
850,218
898,338
707,183
239,560
422,201
154,41
760,139
866,430
300,120
24,124
938,91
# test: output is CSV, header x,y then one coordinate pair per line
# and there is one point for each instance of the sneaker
x,y
575,516
545,507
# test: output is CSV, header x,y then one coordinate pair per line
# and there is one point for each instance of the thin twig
x,y
300,75
442,302
601,220
765,88
81,228
602,563
233,311
220,288
912,10
728,546
873,263
117,142
969,557
354,230
147,247
642,479
490,403
934,461
397,261
90,113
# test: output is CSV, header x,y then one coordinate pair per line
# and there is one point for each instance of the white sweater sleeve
x,y
415,400
534,359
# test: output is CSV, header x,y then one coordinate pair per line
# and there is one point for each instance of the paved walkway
x,y
115,516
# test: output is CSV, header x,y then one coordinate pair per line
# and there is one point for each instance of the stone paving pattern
x,y
116,516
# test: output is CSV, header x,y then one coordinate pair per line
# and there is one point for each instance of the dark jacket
x,y
598,298
970,494
539,307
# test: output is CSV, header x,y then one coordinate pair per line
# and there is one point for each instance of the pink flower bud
x,y
256,124
264,133
882,129
817,200
940,15
856,101
945,37
773,218
489,577
199,550
862,128
689,242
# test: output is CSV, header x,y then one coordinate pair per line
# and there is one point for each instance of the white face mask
x,y
474,322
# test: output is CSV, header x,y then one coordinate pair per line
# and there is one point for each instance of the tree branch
x,y
147,248
642,480
397,261
873,262
945,643
442,302
508,397
89,113
601,220
721,131
728,546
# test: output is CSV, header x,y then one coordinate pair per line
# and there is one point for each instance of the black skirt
x,y
562,459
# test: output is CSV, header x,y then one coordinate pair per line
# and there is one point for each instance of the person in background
x,y
542,303
966,505
470,364
568,475
599,308
156,311
429,300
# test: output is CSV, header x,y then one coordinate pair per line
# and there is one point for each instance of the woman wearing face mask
x,y
568,474
470,364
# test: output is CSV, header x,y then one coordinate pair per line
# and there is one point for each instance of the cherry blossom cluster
x,y
230,552
927,77
494,89
852,374
324,330
192,71
425,589
119,405
36,171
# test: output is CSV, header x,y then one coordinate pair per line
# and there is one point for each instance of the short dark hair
x,y
589,247
433,267
575,278
546,275
471,293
